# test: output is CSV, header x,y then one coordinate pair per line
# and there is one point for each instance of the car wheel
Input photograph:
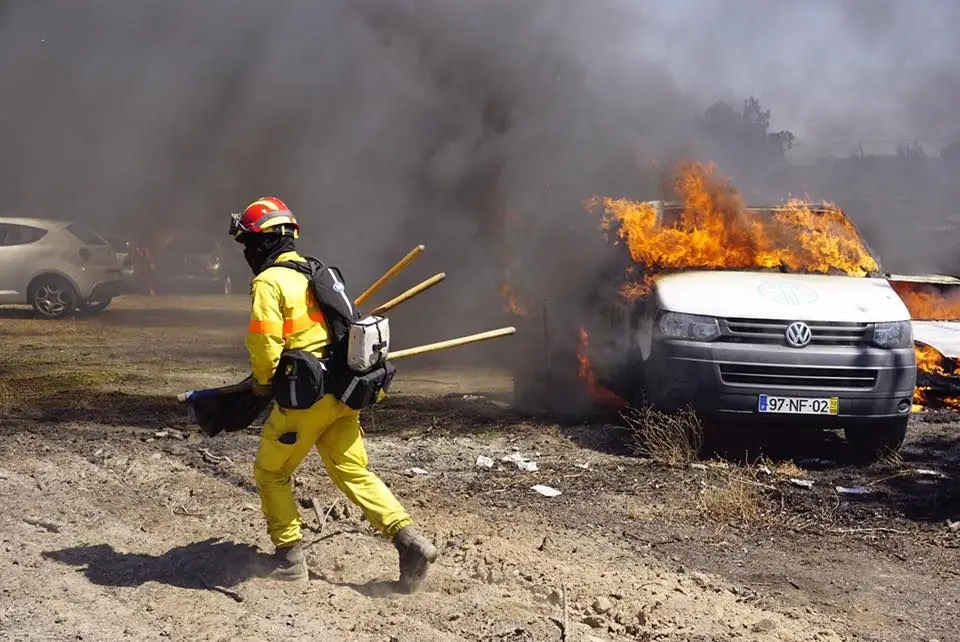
x,y
95,306
876,441
52,297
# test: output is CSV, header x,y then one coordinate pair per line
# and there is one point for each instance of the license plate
x,y
798,405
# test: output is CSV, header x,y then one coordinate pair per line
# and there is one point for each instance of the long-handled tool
x,y
246,384
451,343
409,294
389,274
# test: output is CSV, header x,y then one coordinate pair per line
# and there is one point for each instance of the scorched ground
x,y
117,521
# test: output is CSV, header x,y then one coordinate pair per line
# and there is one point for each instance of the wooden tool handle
x,y
409,294
246,384
451,343
392,272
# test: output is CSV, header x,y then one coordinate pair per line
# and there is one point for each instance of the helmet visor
x,y
236,227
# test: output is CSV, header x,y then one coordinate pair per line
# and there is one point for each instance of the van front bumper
x,y
727,379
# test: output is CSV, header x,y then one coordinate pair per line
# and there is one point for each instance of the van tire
x,y
52,297
878,440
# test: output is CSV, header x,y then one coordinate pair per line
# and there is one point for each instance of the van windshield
x,y
794,238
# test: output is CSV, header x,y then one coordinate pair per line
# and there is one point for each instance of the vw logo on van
x,y
798,334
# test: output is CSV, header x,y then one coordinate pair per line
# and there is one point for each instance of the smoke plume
x,y
385,125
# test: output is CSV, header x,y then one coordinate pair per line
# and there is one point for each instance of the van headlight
x,y
893,334
677,325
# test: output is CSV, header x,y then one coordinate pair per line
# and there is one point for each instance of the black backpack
x,y
301,378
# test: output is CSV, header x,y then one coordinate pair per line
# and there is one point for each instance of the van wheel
x,y
875,441
52,297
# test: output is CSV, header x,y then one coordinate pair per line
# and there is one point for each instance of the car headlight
x,y
678,325
893,334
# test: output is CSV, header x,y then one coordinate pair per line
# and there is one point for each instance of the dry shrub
x,y
890,460
673,438
785,468
734,500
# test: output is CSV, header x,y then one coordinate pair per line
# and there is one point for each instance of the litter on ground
x,y
546,491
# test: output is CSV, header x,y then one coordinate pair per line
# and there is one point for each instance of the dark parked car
x,y
190,264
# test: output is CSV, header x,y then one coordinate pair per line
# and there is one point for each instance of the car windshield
x,y
86,235
192,245
792,238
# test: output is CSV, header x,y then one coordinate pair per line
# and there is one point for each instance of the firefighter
x,y
285,316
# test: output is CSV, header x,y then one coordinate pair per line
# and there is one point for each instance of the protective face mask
x,y
262,252
255,254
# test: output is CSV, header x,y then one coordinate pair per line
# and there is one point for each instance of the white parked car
x,y
58,267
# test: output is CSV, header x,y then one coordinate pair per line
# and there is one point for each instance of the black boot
x,y
416,554
288,564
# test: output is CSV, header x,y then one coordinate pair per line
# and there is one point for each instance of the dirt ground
x,y
119,521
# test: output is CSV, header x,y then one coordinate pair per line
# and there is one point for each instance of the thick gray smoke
x,y
390,124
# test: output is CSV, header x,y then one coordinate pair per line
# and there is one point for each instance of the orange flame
x,y
927,303
716,230
512,302
602,395
930,361
509,220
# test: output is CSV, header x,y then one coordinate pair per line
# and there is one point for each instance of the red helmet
x,y
262,215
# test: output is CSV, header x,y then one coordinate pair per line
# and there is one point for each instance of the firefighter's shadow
x,y
373,589
209,564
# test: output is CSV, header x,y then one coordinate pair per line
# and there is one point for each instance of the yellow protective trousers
x,y
334,428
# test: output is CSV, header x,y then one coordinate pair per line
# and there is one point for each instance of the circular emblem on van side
x,y
788,293
798,334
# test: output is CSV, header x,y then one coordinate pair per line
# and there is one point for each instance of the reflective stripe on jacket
x,y
284,315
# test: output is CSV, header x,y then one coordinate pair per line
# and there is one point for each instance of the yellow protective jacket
x,y
284,315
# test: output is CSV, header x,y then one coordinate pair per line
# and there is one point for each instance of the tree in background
x,y
950,155
743,136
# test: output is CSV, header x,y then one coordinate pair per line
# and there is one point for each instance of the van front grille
x,y
823,333
798,376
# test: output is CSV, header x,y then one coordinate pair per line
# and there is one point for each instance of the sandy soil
x,y
119,521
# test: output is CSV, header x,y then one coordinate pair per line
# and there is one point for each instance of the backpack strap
x,y
328,287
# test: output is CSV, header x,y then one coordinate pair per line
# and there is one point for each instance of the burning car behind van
x,y
934,304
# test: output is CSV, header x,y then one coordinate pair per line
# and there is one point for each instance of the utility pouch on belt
x,y
363,390
299,380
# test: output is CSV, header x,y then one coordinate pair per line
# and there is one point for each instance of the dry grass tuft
x,y
890,460
6,397
25,391
785,468
672,438
735,499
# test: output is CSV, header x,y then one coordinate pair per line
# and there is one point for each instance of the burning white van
x,y
766,324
